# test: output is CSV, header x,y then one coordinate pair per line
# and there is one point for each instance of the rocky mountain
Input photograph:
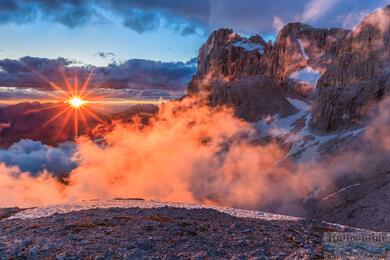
x,y
314,91
342,71
236,70
299,46
357,77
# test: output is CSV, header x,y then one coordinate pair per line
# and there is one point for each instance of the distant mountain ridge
x,y
46,122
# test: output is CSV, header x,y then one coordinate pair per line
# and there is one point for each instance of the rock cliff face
x,y
299,46
343,71
345,74
253,97
235,70
229,56
358,76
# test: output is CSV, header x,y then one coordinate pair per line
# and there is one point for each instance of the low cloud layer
x,y
35,157
190,153
143,76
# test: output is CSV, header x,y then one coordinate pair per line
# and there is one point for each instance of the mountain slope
x,y
145,229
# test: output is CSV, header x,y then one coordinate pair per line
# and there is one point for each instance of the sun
x,y
75,96
76,102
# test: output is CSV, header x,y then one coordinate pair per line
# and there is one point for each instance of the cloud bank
x,y
140,16
35,157
189,153
136,77
185,17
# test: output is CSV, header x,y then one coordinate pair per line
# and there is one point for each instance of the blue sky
x,y
43,39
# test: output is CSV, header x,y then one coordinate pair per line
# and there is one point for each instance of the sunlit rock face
x,y
357,78
255,77
234,71
343,71
228,55
299,46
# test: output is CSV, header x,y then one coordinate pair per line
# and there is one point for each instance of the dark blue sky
x,y
166,30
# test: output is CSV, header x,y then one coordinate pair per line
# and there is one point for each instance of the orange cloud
x,y
188,153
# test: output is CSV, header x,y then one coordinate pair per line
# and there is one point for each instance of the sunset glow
x,y
75,96
76,102
194,129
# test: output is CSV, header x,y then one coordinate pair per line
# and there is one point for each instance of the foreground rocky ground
x,y
164,232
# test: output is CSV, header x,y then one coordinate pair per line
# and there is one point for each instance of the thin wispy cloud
x,y
317,9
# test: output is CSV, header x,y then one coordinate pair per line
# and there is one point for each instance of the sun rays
x,y
76,97
76,102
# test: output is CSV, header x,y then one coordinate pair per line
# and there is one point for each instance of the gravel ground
x,y
160,233
8,212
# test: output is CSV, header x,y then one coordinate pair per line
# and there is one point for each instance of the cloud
x,y
4,126
10,93
35,157
189,153
20,188
138,15
142,22
134,74
253,16
192,153
70,13
350,20
185,17
145,73
105,55
143,16
277,23
110,56
316,9
379,131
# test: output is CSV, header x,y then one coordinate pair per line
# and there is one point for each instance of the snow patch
x,y
308,147
299,104
305,144
136,203
303,49
248,46
48,211
341,190
278,127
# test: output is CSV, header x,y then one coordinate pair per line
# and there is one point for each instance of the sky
x,y
130,37
164,30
